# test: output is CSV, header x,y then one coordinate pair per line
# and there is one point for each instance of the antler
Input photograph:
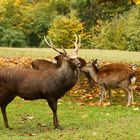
x,y
77,43
63,49
53,46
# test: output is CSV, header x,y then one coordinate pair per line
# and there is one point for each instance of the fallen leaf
x,y
136,109
84,116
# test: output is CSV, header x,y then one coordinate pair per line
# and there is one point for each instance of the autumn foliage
x,y
109,24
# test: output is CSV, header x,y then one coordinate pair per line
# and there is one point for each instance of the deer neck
x,y
94,73
69,73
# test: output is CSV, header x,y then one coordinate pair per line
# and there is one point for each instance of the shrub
x,y
11,37
132,30
122,33
37,21
63,29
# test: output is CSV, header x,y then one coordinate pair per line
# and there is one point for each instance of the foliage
x,y
10,20
10,13
98,9
62,6
121,33
63,29
12,37
111,35
132,30
37,21
27,21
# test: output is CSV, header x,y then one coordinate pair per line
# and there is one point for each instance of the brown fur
x,y
111,78
116,65
42,65
35,84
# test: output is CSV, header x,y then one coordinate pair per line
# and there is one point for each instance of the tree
x,y
121,33
132,29
63,29
37,21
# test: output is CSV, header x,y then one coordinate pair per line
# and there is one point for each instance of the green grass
x,y
108,55
32,120
79,122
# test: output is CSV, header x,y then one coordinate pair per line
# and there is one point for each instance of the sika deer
x,y
41,64
118,65
34,84
112,78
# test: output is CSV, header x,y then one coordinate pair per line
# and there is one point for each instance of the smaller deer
x,y
112,78
41,64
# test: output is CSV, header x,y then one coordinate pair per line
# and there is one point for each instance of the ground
x,y
80,117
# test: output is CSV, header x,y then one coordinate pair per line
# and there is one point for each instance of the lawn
x,y
107,55
32,120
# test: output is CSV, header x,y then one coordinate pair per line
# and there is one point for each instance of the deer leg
x,y
110,95
3,110
130,95
132,98
102,94
129,98
53,105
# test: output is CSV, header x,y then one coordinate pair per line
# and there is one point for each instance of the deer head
x,y
69,57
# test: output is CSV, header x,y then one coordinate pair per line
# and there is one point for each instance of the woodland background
x,y
104,24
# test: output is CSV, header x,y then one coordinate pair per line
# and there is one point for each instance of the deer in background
x,y
35,84
111,78
41,64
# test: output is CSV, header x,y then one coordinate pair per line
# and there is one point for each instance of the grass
x,y
107,55
32,120
78,122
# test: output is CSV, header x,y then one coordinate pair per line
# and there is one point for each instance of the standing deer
x,y
35,84
112,78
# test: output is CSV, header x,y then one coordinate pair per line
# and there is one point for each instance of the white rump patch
x,y
133,80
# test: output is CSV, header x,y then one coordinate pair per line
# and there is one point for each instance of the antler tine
x,y
51,45
76,38
77,43
63,49
47,42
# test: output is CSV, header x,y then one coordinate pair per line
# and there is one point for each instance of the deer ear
x,y
95,61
